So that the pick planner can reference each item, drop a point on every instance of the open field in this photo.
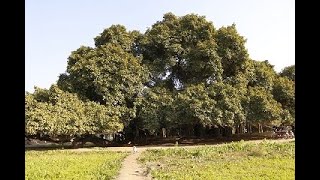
(257, 159)
(240, 160)
(65, 164)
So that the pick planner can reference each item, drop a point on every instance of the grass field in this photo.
(241, 160)
(63, 164)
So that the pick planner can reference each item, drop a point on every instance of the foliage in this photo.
(181, 50)
(61, 164)
(264, 75)
(289, 72)
(231, 49)
(181, 72)
(229, 104)
(106, 74)
(261, 107)
(156, 109)
(284, 93)
(56, 112)
(194, 105)
(117, 34)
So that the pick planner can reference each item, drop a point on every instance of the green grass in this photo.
(64, 164)
(241, 160)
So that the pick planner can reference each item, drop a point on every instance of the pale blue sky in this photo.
(54, 28)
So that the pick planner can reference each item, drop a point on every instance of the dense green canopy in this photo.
(181, 71)
(56, 112)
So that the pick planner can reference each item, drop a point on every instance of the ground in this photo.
(132, 170)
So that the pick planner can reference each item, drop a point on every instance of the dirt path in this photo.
(143, 148)
(131, 170)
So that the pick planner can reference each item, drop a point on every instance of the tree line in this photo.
(181, 77)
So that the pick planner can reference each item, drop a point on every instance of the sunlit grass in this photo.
(241, 160)
(63, 164)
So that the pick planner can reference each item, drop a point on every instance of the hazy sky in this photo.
(55, 28)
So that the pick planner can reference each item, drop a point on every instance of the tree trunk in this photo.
(136, 137)
(243, 128)
(260, 128)
(249, 128)
(234, 130)
(164, 133)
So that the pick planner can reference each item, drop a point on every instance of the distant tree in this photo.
(289, 72)
(284, 93)
(261, 108)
